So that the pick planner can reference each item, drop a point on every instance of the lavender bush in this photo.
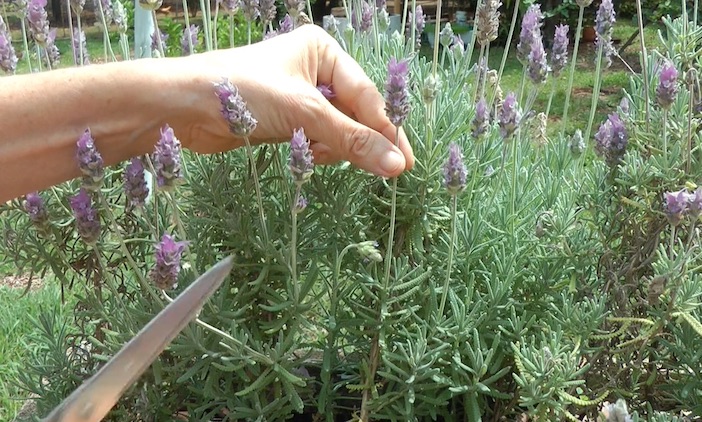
(528, 277)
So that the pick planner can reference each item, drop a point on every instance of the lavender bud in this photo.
(8, 58)
(455, 170)
(676, 205)
(155, 40)
(36, 209)
(300, 204)
(53, 55)
(531, 30)
(397, 104)
(294, 7)
(419, 22)
(77, 6)
(577, 144)
(79, 46)
(559, 52)
(537, 66)
(667, 88)
(488, 21)
(38, 21)
(446, 35)
(135, 184)
(164, 274)
(326, 91)
(611, 140)
(538, 131)
(167, 159)
(106, 10)
(250, 9)
(230, 7)
(300, 163)
(189, 38)
(430, 89)
(509, 116)
(383, 20)
(87, 219)
(90, 162)
(150, 4)
(369, 250)
(267, 10)
(234, 109)
(624, 106)
(616, 412)
(458, 47)
(481, 120)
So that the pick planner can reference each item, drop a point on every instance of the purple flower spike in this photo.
(611, 140)
(488, 21)
(509, 116)
(229, 6)
(79, 46)
(164, 274)
(250, 9)
(397, 105)
(676, 206)
(694, 203)
(326, 90)
(135, 184)
(87, 219)
(300, 204)
(90, 162)
(667, 85)
(286, 25)
(301, 164)
(531, 30)
(267, 11)
(106, 9)
(234, 109)
(537, 66)
(167, 159)
(604, 20)
(559, 52)
(38, 21)
(420, 21)
(189, 37)
(8, 58)
(77, 6)
(294, 7)
(455, 170)
(164, 38)
(36, 209)
(481, 121)
(366, 17)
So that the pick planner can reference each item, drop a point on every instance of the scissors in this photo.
(95, 397)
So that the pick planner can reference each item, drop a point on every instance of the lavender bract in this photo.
(488, 21)
(79, 48)
(90, 162)
(537, 66)
(189, 38)
(36, 210)
(135, 187)
(38, 21)
(250, 9)
(667, 88)
(676, 205)
(362, 20)
(481, 120)
(167, 160)
(611, 140)
(234, 109)
(87, 219)
(8, 57)
(397, 104)
(531, 30)
(301, 160)
(509, 116)
(230, 6)
(559, 51)
(164, 274)
(455, 173)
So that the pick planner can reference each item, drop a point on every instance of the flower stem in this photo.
(186, 16)
(70, 29)
(573, 62)
(181, 231)
(437, 32)
(206, 16)
(550, 96)
(257, 185)
(444, 294)
(665, 135)
(39, 59)
(691, 104)
(391, 229)
(595, 93)
(26, 44)
(80, 48)
(644, 60)
(158, 35)
(293, 245)
(231, 30)
(106, 35)
(248, 32)
(109, 280)
(512, 25)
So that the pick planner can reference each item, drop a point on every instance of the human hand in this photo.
(278, 78)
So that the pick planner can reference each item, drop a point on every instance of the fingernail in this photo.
(392, 162)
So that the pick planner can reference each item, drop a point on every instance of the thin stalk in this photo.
(513, 196)
(391, 230)
(522, 84)
(404, 17)
(215, 23)
(48, 58)
(414, 26)
(124, 45)
(696, 10)
(309, 10)
(231, 30)
(154, 197)
(595, 94)
(26, 45)
(644, 59)
(550, 96)
(478, 80)
(106, 36)
(471, 47)
(665, 135)
(181, 231)
(444, 293)
(437, 32)
(70, 29)
(206, 24)
(110, 284)
(186, 16)
(257, 185)
(248, 32)
(691, 104)
(158, 35)
(80, 31)
(39, 59)
(671, 246)
(574, 60)
(508, 45)
(293, 244)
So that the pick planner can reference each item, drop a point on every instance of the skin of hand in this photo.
(125, 104)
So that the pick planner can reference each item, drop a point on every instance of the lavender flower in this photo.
(667, 88)
(90, 162)
(53, 55)
(577, 144)
(365, 22)
(78, 45)
(8, 58)
(531, 30)
(300, 163)
(135, 184)
(446, 35)
(676, 205)
(559, 51)
(430, 88)
(106, 10)
(624, 106)
(189, 38)
(87, 219)
(694, 203)
(458, 47)
(537, 66)
(164, 274)
(397, 104)
(36, 209)
(419, 21)
(300, 204)
(38, 21)
(154, 40)
(326, 91)
(229, 6)
(455, 170)
(604, 20)
(120, 17)
(234, 109)
(611, 140)
(267, 11)
(286, 25)
(294, 7)
(167, 159)
(250, 9)
(77, 6)
(509, 116)
(481, 121)
(488, 21)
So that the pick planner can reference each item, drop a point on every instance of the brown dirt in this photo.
(20, 282)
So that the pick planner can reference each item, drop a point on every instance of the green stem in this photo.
(665, 135)
(391, 230)
(479, 78)
(573, 62)
(471, 45)
(671, 246)
(644, 61)
(248, 32)
(444, 294)
(293, 245)
(206, 16)
(181, 231)
(26, 45)
(80, 31)
(513, 196)
(215, 23)
(437, 32)
(39, 59)
(595, 94)
(106, 36)
(231, 30)
(688, 163)
(158, 35)
(550, 96)
(70, 29)
(186, 16)
(508, 45)
(111, 284)
(257, 185)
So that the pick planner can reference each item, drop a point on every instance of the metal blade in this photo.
(95, 397)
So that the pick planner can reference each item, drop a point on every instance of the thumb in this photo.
(340, 137)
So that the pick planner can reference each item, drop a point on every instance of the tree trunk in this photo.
(57, 11)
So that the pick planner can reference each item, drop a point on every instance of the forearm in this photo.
(123, 104)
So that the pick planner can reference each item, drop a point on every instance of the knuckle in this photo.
(359, 142)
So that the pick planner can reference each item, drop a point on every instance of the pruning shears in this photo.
(95, 397)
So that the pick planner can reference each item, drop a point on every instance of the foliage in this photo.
(568, 283)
